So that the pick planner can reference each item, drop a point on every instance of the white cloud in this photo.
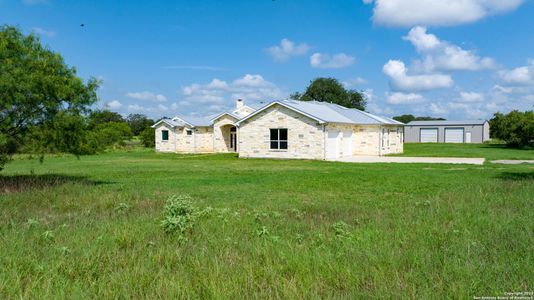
(400, 80)
(41, 31)
(519, 76)
(442, 55)
(404, 98)
(327, 61)
(354, 82)
(374, 106)
(218, 94)
(437, 109)
(471, 97)
(114, 104)
(406, 13)
(286, 50)
(148, 96)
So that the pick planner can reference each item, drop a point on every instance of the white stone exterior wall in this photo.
(203, 139)
(221, 133)
(305, 135)
(392, 140)
(165, 146)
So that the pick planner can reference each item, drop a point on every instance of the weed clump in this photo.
(179, 215)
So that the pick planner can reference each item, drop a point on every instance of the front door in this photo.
(233, 139)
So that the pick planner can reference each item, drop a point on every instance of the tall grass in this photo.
(269, 229)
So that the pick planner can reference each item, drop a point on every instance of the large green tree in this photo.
(331, 90)
(37, 88)
(97, 117)
(515, 128)
(138, 123)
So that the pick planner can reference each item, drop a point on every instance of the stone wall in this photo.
(221, 133)
(203, 139)
(392, 140)
(305, 135)
(165, 146)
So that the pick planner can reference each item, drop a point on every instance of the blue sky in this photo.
(459, 59)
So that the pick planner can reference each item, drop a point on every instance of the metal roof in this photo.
(194, 121)
(168, 122)
(323, 112)
(331, 113)
(446, 123)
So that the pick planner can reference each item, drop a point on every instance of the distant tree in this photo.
(97, 117)
(515, 128)
(148, 137)
(429, 119)
(404, 118)
(37, 88)
(409, 118)
(138, 123)
(330, 90)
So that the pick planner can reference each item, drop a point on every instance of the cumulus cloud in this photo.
(374, 105)
(519, 76)
(218, 94)
(471, 97)
(114, 104)
(400, 80)
(286, 50)
(444, 56)
(41, 31)
(147, 96)
(354, 82)
(404, 98)
(407, 13)
(327, 61)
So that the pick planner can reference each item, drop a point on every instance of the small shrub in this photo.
(122, 207)
(32, 222)
(341, 229)
(49, 236)
(179, 215)
(262, 232)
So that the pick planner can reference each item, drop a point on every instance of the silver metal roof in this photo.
(333, 113)
(446, 123)
(322, 111)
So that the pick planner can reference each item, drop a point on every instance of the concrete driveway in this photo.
(410, 160)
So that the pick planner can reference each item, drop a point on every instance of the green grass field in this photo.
(488, 151)
(90, 228)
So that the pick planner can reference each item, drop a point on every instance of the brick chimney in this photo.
(239, 103)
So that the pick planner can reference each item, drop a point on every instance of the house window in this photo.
(189, 132)
(164, 135)
(278, 139)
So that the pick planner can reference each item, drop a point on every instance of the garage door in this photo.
(454, 135)
(333, 144)
(429, 135)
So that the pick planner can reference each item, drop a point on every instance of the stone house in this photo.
(283, 129)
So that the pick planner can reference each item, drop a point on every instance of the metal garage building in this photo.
(446, 131)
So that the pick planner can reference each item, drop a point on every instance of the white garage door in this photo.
(429, 135)
(332, 144)
(454, 135)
